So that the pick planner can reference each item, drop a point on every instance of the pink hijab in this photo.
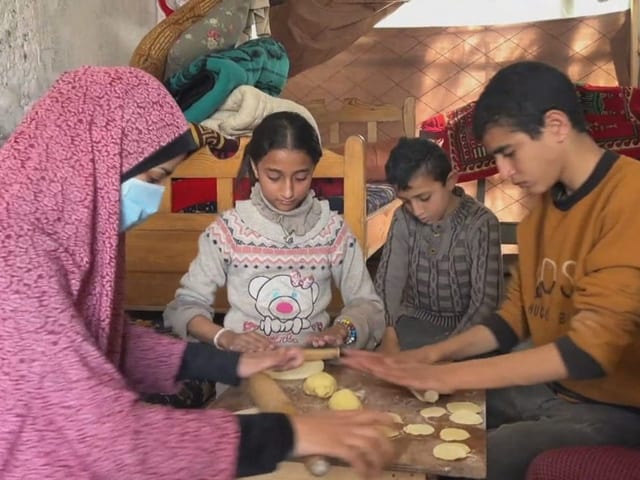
(69, 361)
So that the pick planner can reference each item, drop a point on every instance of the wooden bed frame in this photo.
(159, 251)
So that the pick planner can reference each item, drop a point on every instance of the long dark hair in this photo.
(280, 130)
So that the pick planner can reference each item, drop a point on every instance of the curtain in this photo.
(313, 31)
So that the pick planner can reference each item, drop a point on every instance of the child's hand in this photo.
(278, 359)
(244, 342)
(355, 437)
(414, 375)
(333, 336)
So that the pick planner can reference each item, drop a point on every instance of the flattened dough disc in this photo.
(454, 407)
(451, 451)
(454, 434)
(418, 429)
(303, 371)
(465, 417)
(432, 412)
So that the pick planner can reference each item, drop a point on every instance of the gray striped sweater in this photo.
(448, 273)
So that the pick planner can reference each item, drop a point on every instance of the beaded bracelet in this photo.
(352, 333)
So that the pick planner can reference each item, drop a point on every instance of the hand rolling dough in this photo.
(344, 399)
(320, 384)
(451, 451)
(303, 371)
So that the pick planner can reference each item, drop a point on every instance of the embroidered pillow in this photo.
(218, 30)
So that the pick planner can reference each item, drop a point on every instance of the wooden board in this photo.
(416, 456)
(297, 471)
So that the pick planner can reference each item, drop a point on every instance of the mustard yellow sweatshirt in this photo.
(578, 283)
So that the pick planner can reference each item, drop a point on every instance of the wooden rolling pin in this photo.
(328, 353)
(269, 397)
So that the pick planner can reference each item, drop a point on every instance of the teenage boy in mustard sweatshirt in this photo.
(575, 292)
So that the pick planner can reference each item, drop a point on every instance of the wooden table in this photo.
(415, 460)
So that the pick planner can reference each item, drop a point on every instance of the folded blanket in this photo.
(245, 108)
(204, 85)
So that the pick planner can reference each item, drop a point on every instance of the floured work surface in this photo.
(416, 451)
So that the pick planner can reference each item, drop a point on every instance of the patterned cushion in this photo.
(453, 132)
(219, 30)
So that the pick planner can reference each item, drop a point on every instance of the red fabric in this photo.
(582, 463)
(72, 367)
(166, 9)
(612, 113)
(188, 192)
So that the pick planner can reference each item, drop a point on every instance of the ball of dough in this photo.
(429, 396)
(344, 399)
(320, 385)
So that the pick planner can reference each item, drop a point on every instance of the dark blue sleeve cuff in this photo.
(580, 364)
(266, 439)
(506, 337)
(202, 361)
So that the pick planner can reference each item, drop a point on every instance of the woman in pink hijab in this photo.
(78, 171)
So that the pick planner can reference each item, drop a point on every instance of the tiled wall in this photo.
(447, 67)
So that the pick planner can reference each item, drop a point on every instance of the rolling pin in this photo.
(329, 353)
(269, 397)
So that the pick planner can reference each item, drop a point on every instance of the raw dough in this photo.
(394, 431)
(418, 429)
(451, 451)
(454, 407)
(454, 434)
(320, 384)
(432, 412)
(247, 411)
(303, 371)
(465, 417)
(430, 396)
(344, 399)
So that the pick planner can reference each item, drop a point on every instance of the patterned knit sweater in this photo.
(279, 283)
(448, 273)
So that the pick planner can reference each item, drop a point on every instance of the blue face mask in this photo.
(138, 201)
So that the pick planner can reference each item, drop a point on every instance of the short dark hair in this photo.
(280, 130)
(416, 155)
(519, 96)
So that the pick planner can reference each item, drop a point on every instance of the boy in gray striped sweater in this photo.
(441, 269)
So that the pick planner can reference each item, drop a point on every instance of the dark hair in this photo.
(280, 130)
(416, 155)
(519, 96)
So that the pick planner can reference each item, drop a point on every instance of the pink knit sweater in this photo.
(70, 366)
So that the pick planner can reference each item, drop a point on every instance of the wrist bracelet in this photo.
(216, 337)
(352, 333)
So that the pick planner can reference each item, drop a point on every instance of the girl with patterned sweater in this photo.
(278, 253)
(441, 270)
